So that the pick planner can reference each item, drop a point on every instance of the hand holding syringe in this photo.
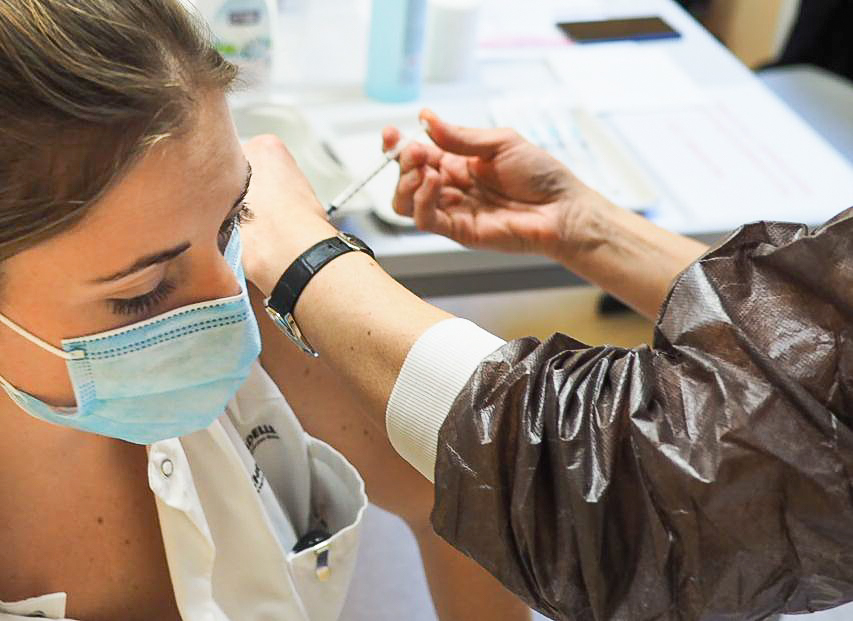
(391, 155)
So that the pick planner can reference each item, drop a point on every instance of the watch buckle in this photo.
(291, 329)
(347, 239)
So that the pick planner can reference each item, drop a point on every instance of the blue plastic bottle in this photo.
(395, 55)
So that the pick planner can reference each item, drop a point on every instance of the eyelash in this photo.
(144, 304)
(243, 215)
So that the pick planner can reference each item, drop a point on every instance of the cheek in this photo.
(47, 293)
(34, 370)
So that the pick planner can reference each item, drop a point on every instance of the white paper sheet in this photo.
(625, 76)
(742, 157)
(582, 143)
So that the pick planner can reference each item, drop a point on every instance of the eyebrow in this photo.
(172, 253)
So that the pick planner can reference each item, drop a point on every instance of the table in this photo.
(331, 97)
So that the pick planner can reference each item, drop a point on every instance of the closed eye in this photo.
(148, 302)
(143, 304)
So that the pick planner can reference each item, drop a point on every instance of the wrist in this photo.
(283, 248)
(626, 255)
(587, 220)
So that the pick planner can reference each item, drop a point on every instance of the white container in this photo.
(246, 33)
(451, 39)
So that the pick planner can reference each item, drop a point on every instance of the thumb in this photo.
(484, 143)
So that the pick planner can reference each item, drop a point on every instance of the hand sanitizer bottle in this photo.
(395, 56)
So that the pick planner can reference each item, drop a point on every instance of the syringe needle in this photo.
(356, 187)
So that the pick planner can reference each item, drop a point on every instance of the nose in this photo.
(217, 280)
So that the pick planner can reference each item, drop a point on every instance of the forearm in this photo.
(626, 254)
(361, 321)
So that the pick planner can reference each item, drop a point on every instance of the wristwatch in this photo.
(280, 304)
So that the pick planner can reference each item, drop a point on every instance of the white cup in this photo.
(451, 39)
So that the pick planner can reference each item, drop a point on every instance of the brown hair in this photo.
(86, 87)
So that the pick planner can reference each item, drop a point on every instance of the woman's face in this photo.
(153, 244)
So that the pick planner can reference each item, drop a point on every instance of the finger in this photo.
(485, 143)
(413, 156)
(390, 138)
(434, 155)
(450, 197)
(426, 213)
(407, 186)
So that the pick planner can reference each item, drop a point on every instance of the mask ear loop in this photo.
(10, 390)
(66, 355)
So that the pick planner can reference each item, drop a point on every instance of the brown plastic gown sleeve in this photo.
(708, 477)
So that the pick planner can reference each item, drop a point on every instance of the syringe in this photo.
(354, 188)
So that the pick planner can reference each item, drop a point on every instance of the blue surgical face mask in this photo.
(158, 379)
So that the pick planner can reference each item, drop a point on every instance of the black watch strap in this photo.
(292, 283)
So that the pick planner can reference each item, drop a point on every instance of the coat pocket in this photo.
(322, 573)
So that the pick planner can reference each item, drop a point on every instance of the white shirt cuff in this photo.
(436, 370)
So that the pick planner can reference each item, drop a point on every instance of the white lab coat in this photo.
(232, 500)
